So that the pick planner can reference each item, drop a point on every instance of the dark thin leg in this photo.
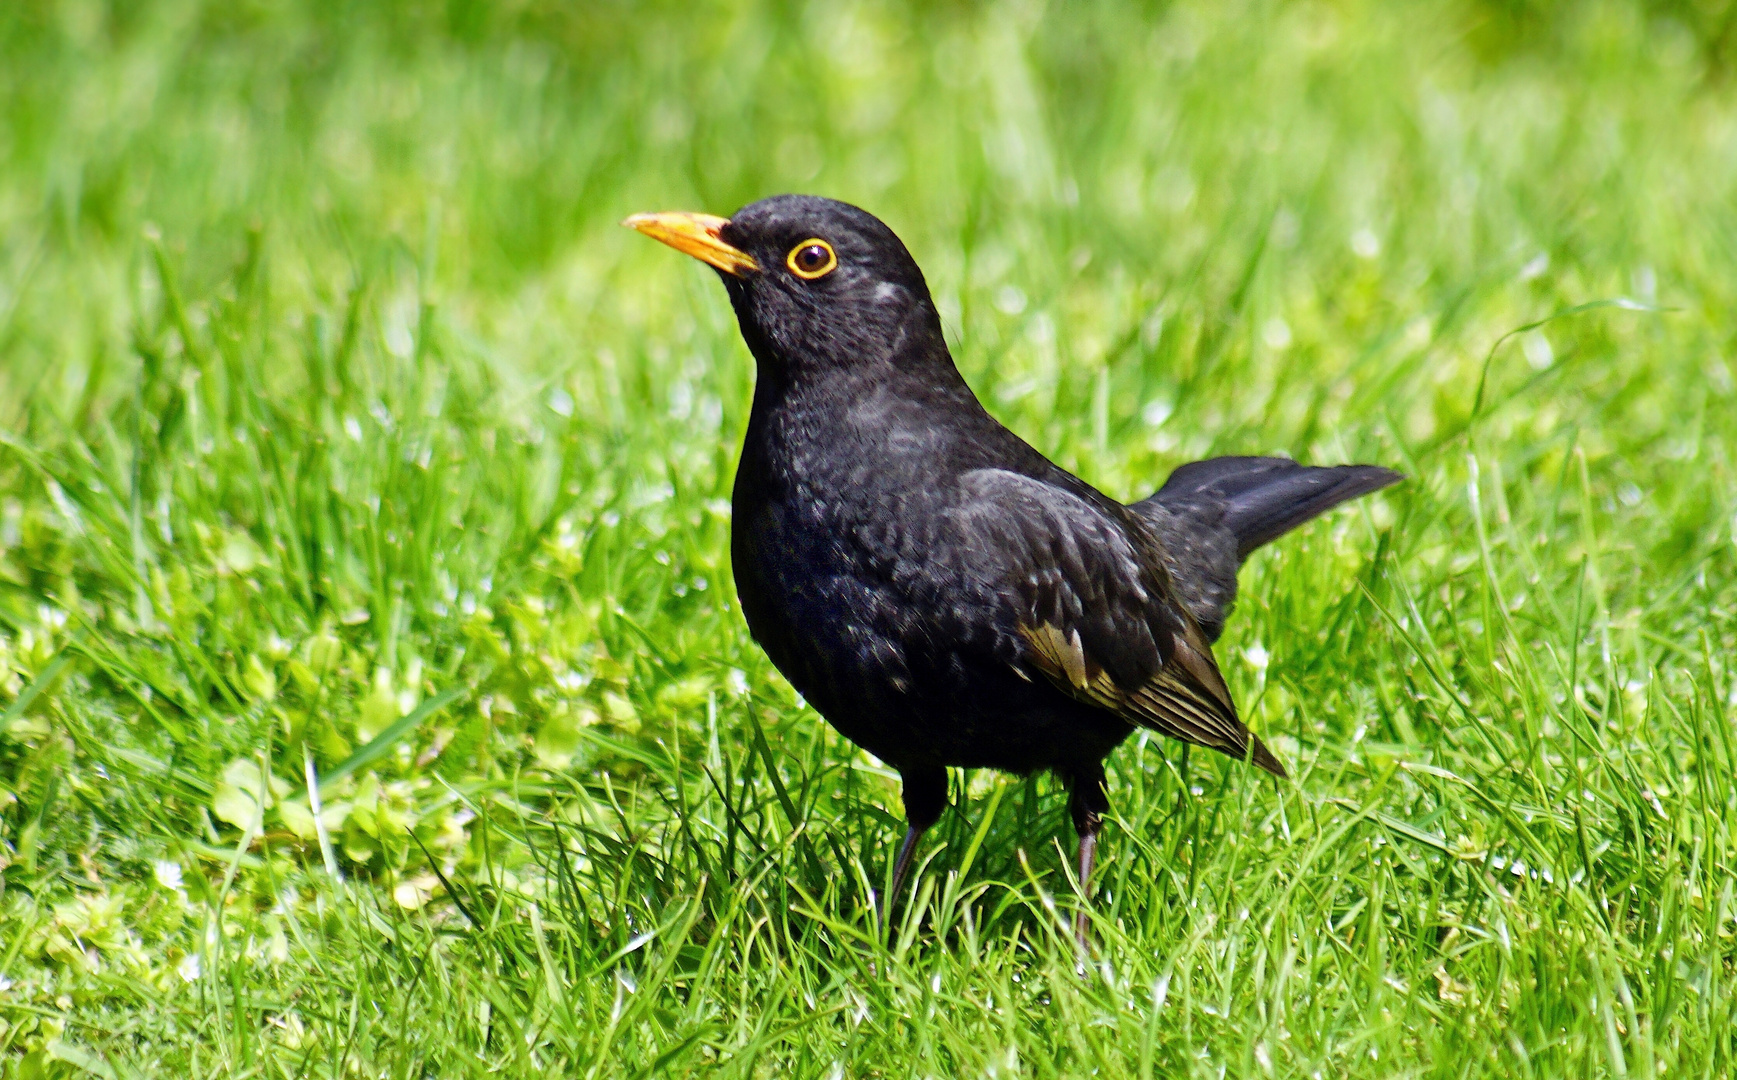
(903, 866)
(1087, 803)
(1088, 854)
(925, 797)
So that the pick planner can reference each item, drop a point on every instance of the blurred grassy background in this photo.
(342, 430)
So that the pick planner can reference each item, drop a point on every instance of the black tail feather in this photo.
(1262, 498)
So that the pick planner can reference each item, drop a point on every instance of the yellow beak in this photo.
(696, 235)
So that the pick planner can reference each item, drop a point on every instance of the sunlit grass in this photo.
(343, 435)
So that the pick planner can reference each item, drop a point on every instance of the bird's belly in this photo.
(881, 671)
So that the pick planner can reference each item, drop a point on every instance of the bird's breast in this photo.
(817, 606)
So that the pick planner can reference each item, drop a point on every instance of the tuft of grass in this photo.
(372, 697)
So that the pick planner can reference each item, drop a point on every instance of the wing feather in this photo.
(1096, 613)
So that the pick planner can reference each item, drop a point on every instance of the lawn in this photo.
(373, 698)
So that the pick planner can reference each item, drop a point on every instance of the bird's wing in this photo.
(1088, 595)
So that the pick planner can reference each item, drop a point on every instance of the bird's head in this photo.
(817, 284)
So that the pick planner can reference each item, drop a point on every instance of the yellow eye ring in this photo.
(811, 259)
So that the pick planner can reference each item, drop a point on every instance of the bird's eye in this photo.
(811, 259)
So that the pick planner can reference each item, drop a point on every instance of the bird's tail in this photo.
(1259, 499)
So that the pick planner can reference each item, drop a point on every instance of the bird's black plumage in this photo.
(941, 592)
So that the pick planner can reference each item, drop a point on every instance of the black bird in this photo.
(940, 591)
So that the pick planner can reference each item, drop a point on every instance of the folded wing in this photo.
(1086, 591)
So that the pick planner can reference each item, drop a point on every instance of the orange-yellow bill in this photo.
(696, 235)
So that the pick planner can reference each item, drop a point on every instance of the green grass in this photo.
(339, 424)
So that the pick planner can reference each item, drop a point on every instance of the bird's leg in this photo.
(1088, 826)
(925, 797)
(907, 850)
(1087, 803)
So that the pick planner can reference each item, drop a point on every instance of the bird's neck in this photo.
(811, 422)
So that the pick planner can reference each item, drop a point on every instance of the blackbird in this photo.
(936, 588)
